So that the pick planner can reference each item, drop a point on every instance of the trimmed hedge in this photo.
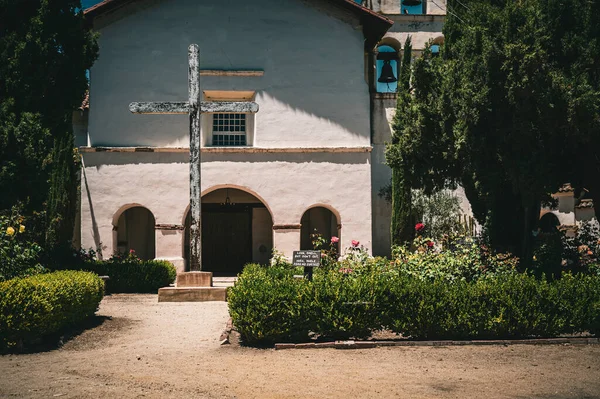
(513, 306)
(133, 275)
(32, 307)
(268, 305)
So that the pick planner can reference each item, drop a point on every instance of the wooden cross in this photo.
(194, 107)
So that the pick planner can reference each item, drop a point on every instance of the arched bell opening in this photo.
(412, 7)
(436, 45)
(237, 229)
(386, 69)
(135, 231)
(318, 221)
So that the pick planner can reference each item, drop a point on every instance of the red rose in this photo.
(430, 244)
(355, 243)
(419, 226)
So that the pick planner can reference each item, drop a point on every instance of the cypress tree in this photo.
(402, 228)
(45, 50)
(510, 110)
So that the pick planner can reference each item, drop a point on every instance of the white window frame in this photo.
(207, 119)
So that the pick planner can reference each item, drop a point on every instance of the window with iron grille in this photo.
(229, 130)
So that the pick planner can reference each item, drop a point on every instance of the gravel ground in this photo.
(140, 348)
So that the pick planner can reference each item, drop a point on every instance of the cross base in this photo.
(193, 287)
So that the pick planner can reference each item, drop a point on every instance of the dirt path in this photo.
(172, 350)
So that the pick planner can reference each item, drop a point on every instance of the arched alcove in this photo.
(135, 231)
(549, 222)
(318, 220)
(237, 228)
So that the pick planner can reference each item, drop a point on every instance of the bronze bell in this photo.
(387, 73)
(411, 3)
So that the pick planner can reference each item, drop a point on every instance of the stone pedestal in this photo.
(193, 287)
(194, 279)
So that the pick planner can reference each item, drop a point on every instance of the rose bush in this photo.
(20, 254)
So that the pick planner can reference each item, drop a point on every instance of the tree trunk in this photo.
(62, 198)
(402, 228)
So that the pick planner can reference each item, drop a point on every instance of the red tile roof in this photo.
(566, 188)
(85, 104)
(585, 203)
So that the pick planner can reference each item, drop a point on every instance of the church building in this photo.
(311, 160)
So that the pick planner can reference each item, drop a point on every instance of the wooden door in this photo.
(226, 239)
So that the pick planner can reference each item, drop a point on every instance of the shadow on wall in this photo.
(315, 70)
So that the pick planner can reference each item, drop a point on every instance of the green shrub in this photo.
(127, 273)
(268, 304)
(509, 306)
(32, 307)
(581, 253)
(346, 304)
(133, 275)
(548, 254)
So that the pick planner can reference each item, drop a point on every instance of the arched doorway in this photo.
(237, 228)
(135, 231)
(317, 220)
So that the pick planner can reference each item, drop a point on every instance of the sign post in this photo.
(307, 259)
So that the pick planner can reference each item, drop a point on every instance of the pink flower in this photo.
(132, 251)
(430, 244)
(419, 226)
(335, 240)
(355, 243)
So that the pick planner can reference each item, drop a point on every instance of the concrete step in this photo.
(224, 281)
(192, 294)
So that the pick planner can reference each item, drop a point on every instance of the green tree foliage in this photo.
(440, 212)
(505, 110)
(45, 50)
(402, 227)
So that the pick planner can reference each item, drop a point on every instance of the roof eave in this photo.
(374, 25)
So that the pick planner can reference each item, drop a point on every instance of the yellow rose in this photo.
(10, 231)
(21, 229)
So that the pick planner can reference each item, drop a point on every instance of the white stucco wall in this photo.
(383, 114)
(420, 28)
(287, 183)
(262, 236)
(313, 92)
